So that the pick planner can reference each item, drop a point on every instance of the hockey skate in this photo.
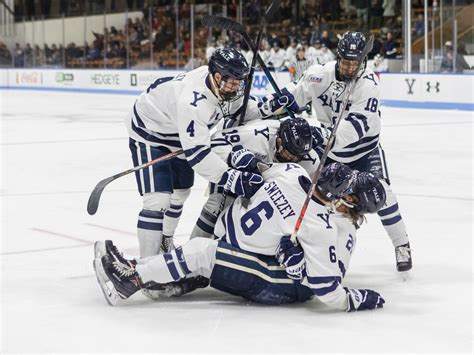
(166, 244)
(403, 257)
(115, 274)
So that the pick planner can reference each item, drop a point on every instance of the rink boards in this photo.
(409, 90)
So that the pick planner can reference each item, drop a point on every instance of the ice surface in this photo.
(57, 146)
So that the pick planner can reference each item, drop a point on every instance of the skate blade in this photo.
(110, 293)
(99, 249)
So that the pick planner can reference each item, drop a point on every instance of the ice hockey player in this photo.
(291, 140)
(178, 112)
(249, 228)
(357, 138)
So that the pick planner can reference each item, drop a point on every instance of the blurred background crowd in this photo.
(165, 34)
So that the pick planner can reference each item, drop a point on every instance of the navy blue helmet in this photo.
(370, 193)
(336, 180)
(230, 63)
(296, 136)
(351, 46)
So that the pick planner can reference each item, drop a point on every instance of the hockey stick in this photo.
(94, 198)
(332, 137)
(270, 11)
(234, 26)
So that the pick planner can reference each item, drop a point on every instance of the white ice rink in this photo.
(57, 146)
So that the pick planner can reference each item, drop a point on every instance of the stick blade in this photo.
(223, 23)
(94, 198)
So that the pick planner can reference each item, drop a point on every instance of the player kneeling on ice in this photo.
(249, 234)
(178, 112)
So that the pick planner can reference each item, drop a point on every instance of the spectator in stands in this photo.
(388, 12)
(198, 60)
(375, 14)
(389, 48)
(18, 56)
(28, 54)
(419, 27)
(447, 65)
(290, 52)
(298, 64)
(313, 53)
(377, 47)
(362, 8)
(327, 55)
(274, 40)
(94, 52)
(5, 55)
(325, 39)
(286, 10)
(277, 58)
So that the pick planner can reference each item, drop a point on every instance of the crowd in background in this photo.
(311, 30)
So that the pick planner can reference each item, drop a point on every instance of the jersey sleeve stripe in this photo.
(206, 228)
(389, 210)
(363, 151)
(182, 261)
(231, 228)
(171, 266)
(325, 290)
(152, 138)
(199, 157)
(322, 279)
(362, 141)
(390, 221)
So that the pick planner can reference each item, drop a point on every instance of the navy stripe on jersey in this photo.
(231, 228)
(142, 125)
(171, 266)
(206, 228)
(182, 261)
(199, 157)
(362, 141)
(388, 210)
(219, 142)
(363, 151)
(189, 152)
(316, 284)
(342, 268)
(390, 221)
(153, 138)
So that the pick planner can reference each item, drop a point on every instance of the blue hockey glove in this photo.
(286, 100)
(241, 183)
(292, 257)
(362, 299)
(243, 159)
(318, 138)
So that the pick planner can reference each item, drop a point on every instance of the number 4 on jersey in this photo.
(190, 129)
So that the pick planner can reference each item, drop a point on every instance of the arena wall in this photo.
(434, 91)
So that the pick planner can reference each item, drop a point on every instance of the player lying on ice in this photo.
(250, 232)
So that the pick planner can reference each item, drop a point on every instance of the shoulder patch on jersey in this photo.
(314, 79)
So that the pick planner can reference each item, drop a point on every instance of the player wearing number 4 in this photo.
(249, 234)
(357, 138)
(178, 112)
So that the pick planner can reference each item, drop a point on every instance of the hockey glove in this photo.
(243, 159)
(241, 183)
(274, 105)
(292, 257)
(362, 299)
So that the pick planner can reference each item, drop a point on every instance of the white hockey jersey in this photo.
(178, 112)
(358, 132)
(260, 138)
(258, 224)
